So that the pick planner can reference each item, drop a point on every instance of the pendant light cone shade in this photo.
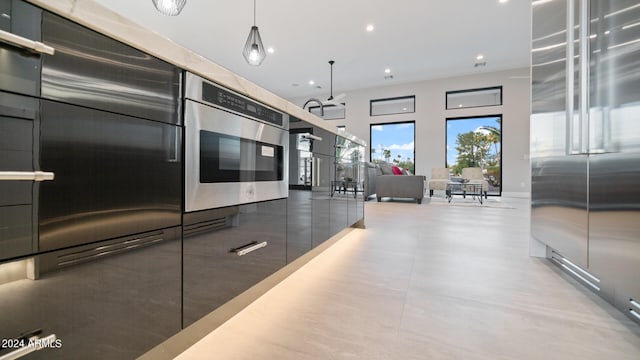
(254, 51)
(169, 7)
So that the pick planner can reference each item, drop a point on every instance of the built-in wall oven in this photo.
(236, 148)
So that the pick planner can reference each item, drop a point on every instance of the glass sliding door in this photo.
(476, 142)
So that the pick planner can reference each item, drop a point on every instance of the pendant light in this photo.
(254, 52)
(169, 7)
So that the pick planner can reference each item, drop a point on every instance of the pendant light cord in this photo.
(254, 12)
(331, 93)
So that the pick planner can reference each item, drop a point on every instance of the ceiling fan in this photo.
(334, 101)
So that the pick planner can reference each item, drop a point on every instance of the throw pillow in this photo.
(396, 170)
(386, 168)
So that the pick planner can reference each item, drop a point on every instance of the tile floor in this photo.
(430, 281)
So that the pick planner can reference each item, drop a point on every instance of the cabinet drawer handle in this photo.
(250, 247)
(38, 343)
(27, 175)
(24, 43)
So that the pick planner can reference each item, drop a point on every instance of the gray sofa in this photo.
(398, 186)
(370, 180)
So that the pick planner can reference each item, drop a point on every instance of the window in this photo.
(397, 105)
(476, 142)
(460, 99)
(331, 112)
(393, 143)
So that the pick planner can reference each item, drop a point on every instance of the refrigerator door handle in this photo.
(26, 175)
(573, 146)
(577, 119)
(584, 76)
(598, 139)
(24, 43)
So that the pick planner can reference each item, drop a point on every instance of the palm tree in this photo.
(387, 154)
(495, 135)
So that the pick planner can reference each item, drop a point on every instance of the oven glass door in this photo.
(226, 158)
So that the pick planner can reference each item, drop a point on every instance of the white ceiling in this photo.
(416, 39)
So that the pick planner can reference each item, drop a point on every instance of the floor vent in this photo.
(205, 226)
(575, 270)
(635, 309)
(111, 248)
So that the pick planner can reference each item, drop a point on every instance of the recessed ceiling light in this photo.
(387, 71)
(370, 28)
(404, 109)
(271, 50)
(311, 82)
(504, 1)
(479, 57)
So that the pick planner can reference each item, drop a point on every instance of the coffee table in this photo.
(469, 188)
(345, 186)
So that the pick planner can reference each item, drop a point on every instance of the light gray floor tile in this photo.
(430, 281)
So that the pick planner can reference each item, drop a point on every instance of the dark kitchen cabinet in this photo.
(16, 230)
(19, 74)
(95, 255)
(20, 68)
(321, 198)
(16, 147)
(349, 160)
(299, 230)
(93, 70)
(228, 250)
(111, 305)
(116, 175)
(332, 197)
(18, 128)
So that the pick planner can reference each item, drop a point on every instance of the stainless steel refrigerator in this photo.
(585, 142)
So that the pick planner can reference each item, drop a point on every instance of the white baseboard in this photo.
(515, 194)
(536, 248)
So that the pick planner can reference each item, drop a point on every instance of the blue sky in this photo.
(455, 127)
(399, 138)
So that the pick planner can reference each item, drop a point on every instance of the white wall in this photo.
(430, 118)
